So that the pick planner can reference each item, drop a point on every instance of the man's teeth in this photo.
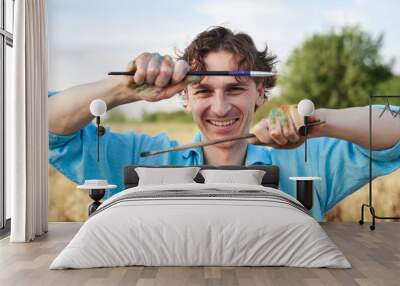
(222, 123)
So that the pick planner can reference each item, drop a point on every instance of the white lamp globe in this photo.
(305, 107)
(98, 107)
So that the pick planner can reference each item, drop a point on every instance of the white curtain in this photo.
(26, 123)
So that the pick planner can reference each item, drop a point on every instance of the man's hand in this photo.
(280, 129)
(157, 77)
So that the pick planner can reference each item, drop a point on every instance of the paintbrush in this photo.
(214, 73)
(195, 145)
(218, 141)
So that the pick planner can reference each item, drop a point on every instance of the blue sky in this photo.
(88, 38)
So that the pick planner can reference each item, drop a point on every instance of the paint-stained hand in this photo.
(157, 77)
(280, 129)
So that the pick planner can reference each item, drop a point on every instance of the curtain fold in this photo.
(26, 124)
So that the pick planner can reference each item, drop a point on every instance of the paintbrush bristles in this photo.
(144, 154)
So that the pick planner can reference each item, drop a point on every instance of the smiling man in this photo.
(221, 107)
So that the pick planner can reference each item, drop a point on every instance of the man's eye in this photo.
(202, 91)
(236, 89)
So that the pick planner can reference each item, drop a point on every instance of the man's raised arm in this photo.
(351, 124)
(156, 78)
(69, 110)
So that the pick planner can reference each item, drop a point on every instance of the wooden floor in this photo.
(374, 255)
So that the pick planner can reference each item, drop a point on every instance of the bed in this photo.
(201, 224)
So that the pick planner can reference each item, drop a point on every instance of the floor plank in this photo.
(374, 255)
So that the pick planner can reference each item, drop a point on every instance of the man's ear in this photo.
(185, 100)
(261, 94)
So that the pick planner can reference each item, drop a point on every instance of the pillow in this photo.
(249, 177)
(163, 176)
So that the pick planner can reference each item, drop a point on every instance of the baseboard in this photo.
(5, 231)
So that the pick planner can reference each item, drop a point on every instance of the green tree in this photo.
(390, 87)
(335, 69)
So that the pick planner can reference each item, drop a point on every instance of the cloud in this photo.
(376, 17)
(271, 22)
(340, 17)
(284, 25)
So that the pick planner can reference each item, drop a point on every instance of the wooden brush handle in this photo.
(196, 145)
(216, 141)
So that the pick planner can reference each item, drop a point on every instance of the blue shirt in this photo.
(342, 165)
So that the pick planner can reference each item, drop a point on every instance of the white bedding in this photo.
(225, 225)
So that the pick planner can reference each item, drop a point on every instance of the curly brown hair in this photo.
(240, 44)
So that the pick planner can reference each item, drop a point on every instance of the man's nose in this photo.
(220, 105)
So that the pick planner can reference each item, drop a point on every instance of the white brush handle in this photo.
(261, 74)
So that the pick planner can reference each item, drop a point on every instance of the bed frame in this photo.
(270, 179)
(131, 179)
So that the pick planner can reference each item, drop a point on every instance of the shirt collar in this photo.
(255, 155)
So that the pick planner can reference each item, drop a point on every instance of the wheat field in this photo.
(66, 203)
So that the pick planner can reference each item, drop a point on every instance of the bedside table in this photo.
(304, 190)
(97, 189)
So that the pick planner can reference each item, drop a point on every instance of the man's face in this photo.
(221, 105)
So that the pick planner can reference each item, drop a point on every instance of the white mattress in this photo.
(182, 230)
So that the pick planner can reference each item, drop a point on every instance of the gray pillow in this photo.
(163, 176)
(248, 177)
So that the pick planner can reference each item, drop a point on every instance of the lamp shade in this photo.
(98, 107)
(305, 107)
